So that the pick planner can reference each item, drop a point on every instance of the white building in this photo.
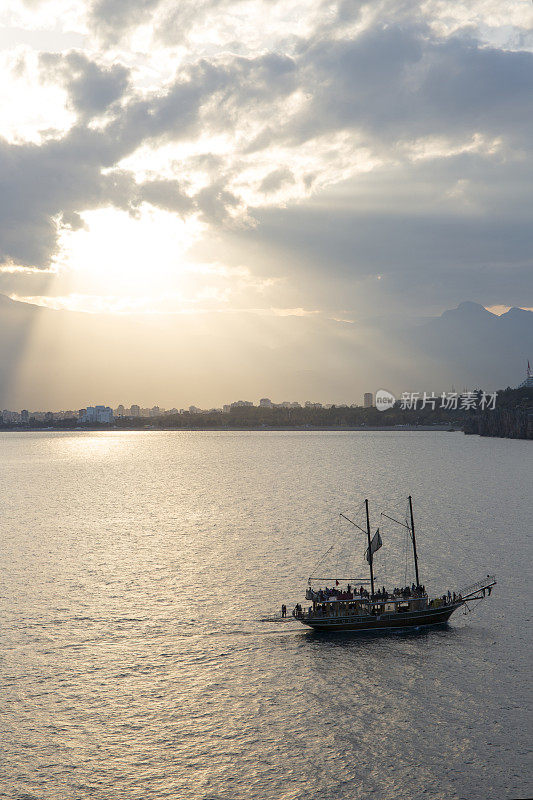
(265, 402)
(98, 414)
(368, 400)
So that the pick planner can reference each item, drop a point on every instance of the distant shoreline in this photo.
(257, 428)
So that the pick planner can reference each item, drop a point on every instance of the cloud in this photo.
(398, 82)
(111, 19)
(400, 139)
(92, 88)
(275, 180)
(167, 195)
(47, 185)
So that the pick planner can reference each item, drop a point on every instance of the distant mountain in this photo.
(476, 347)
(49, 357)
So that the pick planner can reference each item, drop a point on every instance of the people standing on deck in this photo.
(283, 610)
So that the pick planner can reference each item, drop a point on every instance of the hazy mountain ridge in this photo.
(48, 356)
(482, 347)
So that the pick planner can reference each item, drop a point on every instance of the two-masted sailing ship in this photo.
(349, 606)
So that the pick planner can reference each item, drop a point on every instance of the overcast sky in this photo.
(348, 161)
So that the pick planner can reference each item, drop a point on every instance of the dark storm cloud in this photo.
(91, 88)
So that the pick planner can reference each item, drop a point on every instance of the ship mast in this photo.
(370, 559)
(413, 540)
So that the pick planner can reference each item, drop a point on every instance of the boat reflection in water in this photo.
(347, 608)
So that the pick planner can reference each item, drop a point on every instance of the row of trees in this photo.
(337, 416)
(511, 419)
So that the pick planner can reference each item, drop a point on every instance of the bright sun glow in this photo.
(117, 253)
(121, 264)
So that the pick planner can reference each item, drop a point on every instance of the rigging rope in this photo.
(469, 610)
(344, 551)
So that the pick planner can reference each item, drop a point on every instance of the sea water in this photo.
(135, 570)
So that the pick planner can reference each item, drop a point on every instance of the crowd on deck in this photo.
(335, 593)
(352, 593)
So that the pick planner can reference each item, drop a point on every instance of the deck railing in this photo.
(490, 580)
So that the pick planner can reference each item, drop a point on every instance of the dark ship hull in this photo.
(381, 622)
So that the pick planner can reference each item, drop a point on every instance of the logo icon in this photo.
(384, 400)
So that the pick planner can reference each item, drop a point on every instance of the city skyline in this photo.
(135, 410)
(411, 400)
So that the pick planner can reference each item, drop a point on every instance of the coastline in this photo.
(247, 428)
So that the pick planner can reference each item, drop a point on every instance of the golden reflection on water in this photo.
(136, 568)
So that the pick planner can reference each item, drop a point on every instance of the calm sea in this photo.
(136, 568)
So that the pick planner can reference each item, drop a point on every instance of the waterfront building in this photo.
(368, 400)
(98, 414)
(10, 417)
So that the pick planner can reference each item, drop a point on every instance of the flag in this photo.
(375, 544)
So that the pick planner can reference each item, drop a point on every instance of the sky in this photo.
(259, 172)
